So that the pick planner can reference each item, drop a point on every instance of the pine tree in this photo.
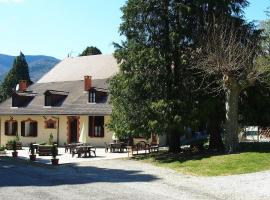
(19, 71)
(90, 51)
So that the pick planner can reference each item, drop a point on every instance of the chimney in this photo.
(87, 83)
(22, 85)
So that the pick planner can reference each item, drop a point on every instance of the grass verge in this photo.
(208, 164)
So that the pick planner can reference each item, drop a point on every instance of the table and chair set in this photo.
(81, 149)
(140, 147)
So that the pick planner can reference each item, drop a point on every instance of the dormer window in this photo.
(22, 99)
(92, 97)
(97, 95)
(54, 98)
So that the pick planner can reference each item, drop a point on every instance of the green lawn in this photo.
(211, 165)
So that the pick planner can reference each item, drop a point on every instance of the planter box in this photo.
(45, 150)
(3, 152)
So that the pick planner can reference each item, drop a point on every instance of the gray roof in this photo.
(76, 102)
(73, 69)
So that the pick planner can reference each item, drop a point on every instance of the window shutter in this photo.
(14, 128)
(6, 128)
(22, 128)
(34, 128)
(102, 131)
(91, 126)
(102, 127)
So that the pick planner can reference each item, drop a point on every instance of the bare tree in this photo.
(229, 52)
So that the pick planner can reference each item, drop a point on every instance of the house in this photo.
(71, 102)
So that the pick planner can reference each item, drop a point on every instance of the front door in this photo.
(73, 130)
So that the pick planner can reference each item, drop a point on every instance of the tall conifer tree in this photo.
(19, 71)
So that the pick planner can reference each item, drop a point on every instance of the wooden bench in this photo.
(140, 146)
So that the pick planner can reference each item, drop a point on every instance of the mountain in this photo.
(38, 65)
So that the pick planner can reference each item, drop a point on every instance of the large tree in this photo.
(90, 51)
(229, 51)
(151, 93)
(19, 71)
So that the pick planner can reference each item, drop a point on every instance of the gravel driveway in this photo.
(122, 179)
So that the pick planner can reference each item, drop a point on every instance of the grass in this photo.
(209, 164)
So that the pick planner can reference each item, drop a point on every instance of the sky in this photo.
(61, 27)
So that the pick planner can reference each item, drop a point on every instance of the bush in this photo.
(2, 148)
(51, 139)
(32, 149)
(54, 151)
(9, 144)
(14, 145)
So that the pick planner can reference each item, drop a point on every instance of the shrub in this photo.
(14, 145)
(51, 139)
(54, 151)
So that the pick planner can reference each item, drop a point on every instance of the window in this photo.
(92, 97)
(50, 124)
(11, 127)
(29, 128)
(97, 96)
(22, 99)
(96, 126)
(55, 98)
(48, 100)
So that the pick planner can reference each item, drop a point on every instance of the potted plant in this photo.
(2, 150)
(51, 139)
(18, 143)
(9, 144)
(14, 147)
(32, 151)
(54, 160)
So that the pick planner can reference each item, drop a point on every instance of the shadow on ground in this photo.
(19, 173)
(187, 155)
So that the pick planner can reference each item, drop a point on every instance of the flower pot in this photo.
(15, 154)
(33, 157)
(55, 161)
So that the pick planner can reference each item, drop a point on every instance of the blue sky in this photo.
(59, 27)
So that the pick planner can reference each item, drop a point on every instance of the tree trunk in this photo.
(174, 141)
(231, 123)
(215, 141)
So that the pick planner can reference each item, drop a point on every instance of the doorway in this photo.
(73, 129)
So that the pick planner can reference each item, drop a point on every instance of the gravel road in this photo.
(122, 179)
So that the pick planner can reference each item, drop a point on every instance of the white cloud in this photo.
(11, 1)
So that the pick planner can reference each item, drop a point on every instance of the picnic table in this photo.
(84, 150)
(71, 146)
(118, 147)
